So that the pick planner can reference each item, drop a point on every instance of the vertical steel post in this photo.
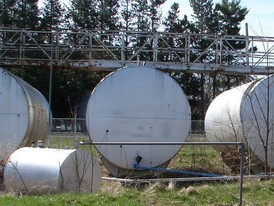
(217, 42)
(252, 51)
(22, 46)
(90, 45)
(242, 148)
(57, 48)
(188, 49)
(50, 85)
(123, 56)
(246, 45)
(155, 47)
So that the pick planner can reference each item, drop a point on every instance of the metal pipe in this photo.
(175, 171)
(160, 143)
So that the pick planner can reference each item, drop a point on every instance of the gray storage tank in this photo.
(137, 104)
(245, 113)
(24, 114)
(44, 170)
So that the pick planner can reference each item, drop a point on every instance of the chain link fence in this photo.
(78, 125)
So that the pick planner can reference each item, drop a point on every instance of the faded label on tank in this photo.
(140, 135)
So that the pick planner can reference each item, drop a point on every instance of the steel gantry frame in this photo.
(109, 50)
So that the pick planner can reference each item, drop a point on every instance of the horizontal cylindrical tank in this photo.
(24, 114)
(138, 104)
(245, 113)
(44, 170)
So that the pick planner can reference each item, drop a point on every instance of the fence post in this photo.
(242, 148)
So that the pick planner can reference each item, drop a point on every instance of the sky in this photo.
(259, 18)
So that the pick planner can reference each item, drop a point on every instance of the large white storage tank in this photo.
(24, 114)
(137, 104)
(245, 113)
(39, 170)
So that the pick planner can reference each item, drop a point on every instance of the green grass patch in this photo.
(255, 193)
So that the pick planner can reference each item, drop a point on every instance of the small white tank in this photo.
(42, 170)
(244, 113)
(138, 104)
(24, 114)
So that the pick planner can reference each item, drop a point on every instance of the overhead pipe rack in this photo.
(108, 50)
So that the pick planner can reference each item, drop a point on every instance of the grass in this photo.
(200, 158)
(113, 193)
(194, 158)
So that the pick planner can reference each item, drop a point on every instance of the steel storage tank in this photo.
(24, 114)
(137, 104)
(244, 113)
(44, 170)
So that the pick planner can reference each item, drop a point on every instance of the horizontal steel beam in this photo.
(112, 65)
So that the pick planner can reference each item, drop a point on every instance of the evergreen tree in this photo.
(69, 88)
(141, 24)
(155, 13)
(172, 22)
(140, 15)
(6, 18)
(146, 18)
(108, 14)
(190, 83)
(52, 15)
(230, 15)
(147, 14)
(126, 24)
(82, 14)
(6, 13)
(126, 21)
(205, 16)
(27, 14)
